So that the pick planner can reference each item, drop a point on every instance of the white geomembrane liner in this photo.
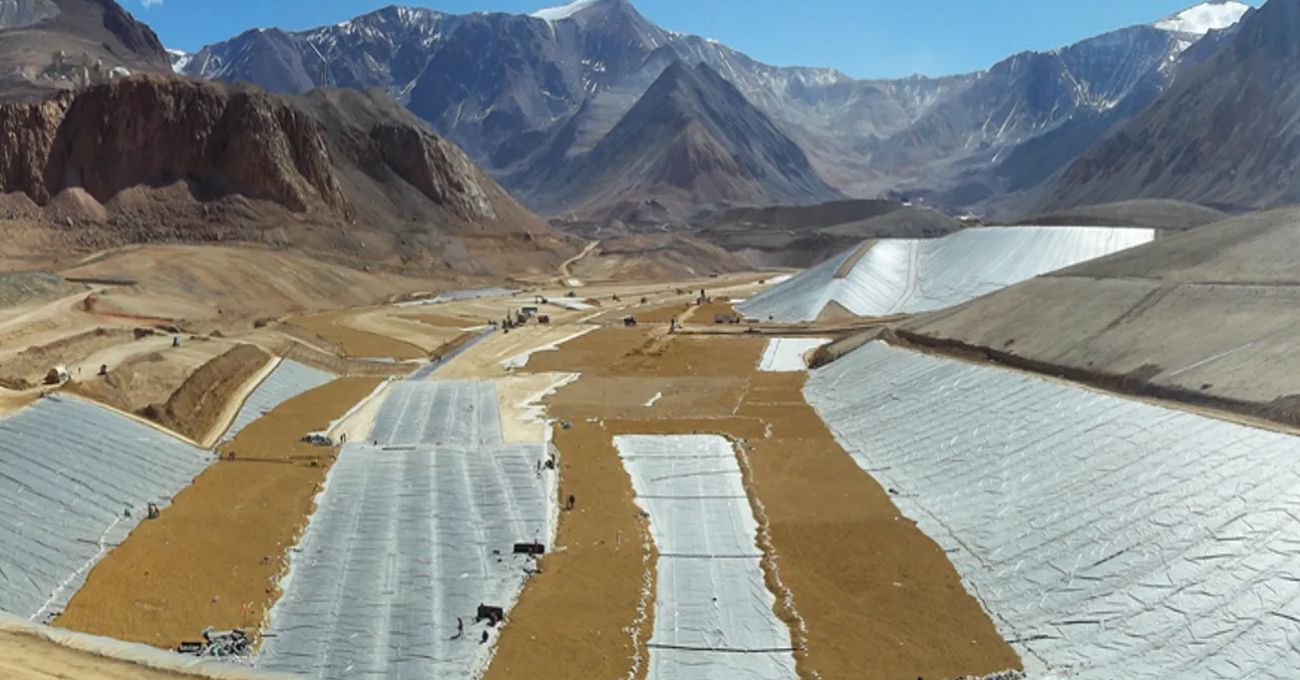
(410, 534)
(1108, 538)
(75, 479)
(287, 381)
(786, 355)
(713, 613)
(918, 275)
(458, 296)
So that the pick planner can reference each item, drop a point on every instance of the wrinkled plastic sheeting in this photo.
(786, 355)
(1108, 538)
(75, 479)
(408, 536)
(713, 615)
(287, 381)
(918, 275)
(439, 413)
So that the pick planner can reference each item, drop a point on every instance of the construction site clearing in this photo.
(631, 480)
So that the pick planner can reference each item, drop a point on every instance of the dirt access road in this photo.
(566, 268)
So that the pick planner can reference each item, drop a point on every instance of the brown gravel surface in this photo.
(443, 320)
(333, 327)
(574, 619)
(26, 657)
(660, 313)
(873, 596)
(875, 592)
(215, 556)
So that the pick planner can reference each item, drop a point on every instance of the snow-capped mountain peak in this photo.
(179, 58)
(1205, 17)
(565, 11)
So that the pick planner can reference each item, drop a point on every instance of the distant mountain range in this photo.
(538, 99)
(1226, 134)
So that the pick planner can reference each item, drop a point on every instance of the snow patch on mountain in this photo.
(1205, 17)
(179, 58)
(565, 11)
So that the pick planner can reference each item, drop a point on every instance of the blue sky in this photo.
(863, 38)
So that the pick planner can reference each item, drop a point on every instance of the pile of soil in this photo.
(195, 407)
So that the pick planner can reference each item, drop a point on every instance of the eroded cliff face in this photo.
(155, 132)
(435, 167)
(154, 157)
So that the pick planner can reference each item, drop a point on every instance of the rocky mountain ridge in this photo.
(503, 86)
(1226, 134)
(155, 158)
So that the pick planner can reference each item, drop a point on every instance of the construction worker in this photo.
(460, 628)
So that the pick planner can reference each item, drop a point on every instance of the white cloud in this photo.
(150, 3)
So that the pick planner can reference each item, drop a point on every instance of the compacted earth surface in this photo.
(859, 587)
(867, 590)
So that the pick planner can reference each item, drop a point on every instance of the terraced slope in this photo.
(1107, 537)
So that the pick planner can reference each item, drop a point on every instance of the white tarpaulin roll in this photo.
(1108, 538)
(713, 613)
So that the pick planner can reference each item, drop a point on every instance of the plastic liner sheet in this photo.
(287, 381)
(75, 479)
(786, 355)
(572, 304)
(713, 615)
(918, 275)
(459, 295)
(408, 535)
(439, 413)
(1108, 538)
